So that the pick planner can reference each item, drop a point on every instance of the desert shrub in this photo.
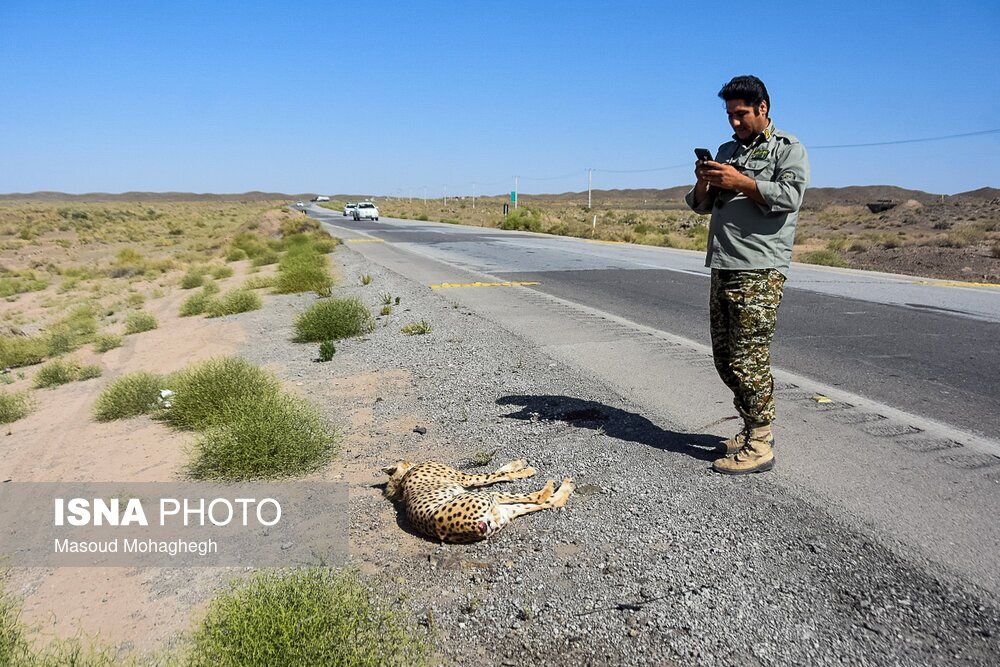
(236, 301)
(259, 282)
(303, 269)
(298, 224)
(995, 250)
(12, 283)
(195, 277)
(18, 351)
(236, 255)
(222, 272)
(964, 236)
(135, 300)
(105, 342)
(198, 303)
(523, 219)
(266, 256)
(323, 243)
(13, 406)
(386, 310)
(74, 330)
(139, 322)
(18, 651)
(206, 394)
(326, 350)
(128, 262)
(251, 245)
(269, 436)
(129, 396)
(303, 617)
(417, 328)
(836, 243)
(825, 258)
(333, 319)
(62, 371)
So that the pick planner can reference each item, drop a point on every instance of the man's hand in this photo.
(728, 177)
(724, 176)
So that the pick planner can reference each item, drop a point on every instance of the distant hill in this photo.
(981, 193)
(816, 198)
(149, 196)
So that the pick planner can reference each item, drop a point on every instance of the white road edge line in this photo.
(971, 440)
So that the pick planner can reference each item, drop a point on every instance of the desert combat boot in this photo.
(756, 455)
(735, 443)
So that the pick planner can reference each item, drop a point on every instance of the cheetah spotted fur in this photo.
(439, 504)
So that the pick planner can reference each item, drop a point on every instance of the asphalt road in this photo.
(926, 347)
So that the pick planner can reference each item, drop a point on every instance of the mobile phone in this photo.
(703, 153)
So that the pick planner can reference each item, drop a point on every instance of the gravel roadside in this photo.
(655, 560)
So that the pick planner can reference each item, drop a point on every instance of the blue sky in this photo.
(386, 98)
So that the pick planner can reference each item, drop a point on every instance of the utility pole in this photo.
(515, 192)
(590, 185)
(473, 196)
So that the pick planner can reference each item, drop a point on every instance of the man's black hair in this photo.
(748, 88)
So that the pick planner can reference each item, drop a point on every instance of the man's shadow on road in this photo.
(615, 422)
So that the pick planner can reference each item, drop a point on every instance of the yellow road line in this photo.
(607, 242)
(511, 283)
(953, 283)
(364, 241)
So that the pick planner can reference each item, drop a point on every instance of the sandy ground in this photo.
(60, 441)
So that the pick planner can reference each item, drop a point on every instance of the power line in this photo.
(641, 171)
(554, 178)
(681, 165)
(909, 141)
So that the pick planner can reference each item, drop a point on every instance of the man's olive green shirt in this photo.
(742, 233)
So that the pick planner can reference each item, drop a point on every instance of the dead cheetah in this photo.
(439, 504)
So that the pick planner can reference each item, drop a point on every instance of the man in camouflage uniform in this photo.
(753, 189)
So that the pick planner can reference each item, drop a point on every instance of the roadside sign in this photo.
(513, 196)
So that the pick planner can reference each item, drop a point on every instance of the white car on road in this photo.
(349, 209)
(366, 209)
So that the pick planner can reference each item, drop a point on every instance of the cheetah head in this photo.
(393, 488)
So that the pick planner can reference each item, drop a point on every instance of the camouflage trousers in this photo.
(744, 310)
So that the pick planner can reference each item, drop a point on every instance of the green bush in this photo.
(333, 319)
(303, 269)
(303, 617)
(825, 258)
(198, 303)
(14, 406)
(195, 277)
(326, 350)
(208, 392)
(237, 301)
(523, 219)
(265, 257)
(129, 396)
(60, 371)
(139, 322)
(105, 342)
(417, 328)
(259, 282)
(270, 436)
(16, 649)
(12, 283)
(18, 351)
(71, 332)
(236, 255)
(222, 272)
